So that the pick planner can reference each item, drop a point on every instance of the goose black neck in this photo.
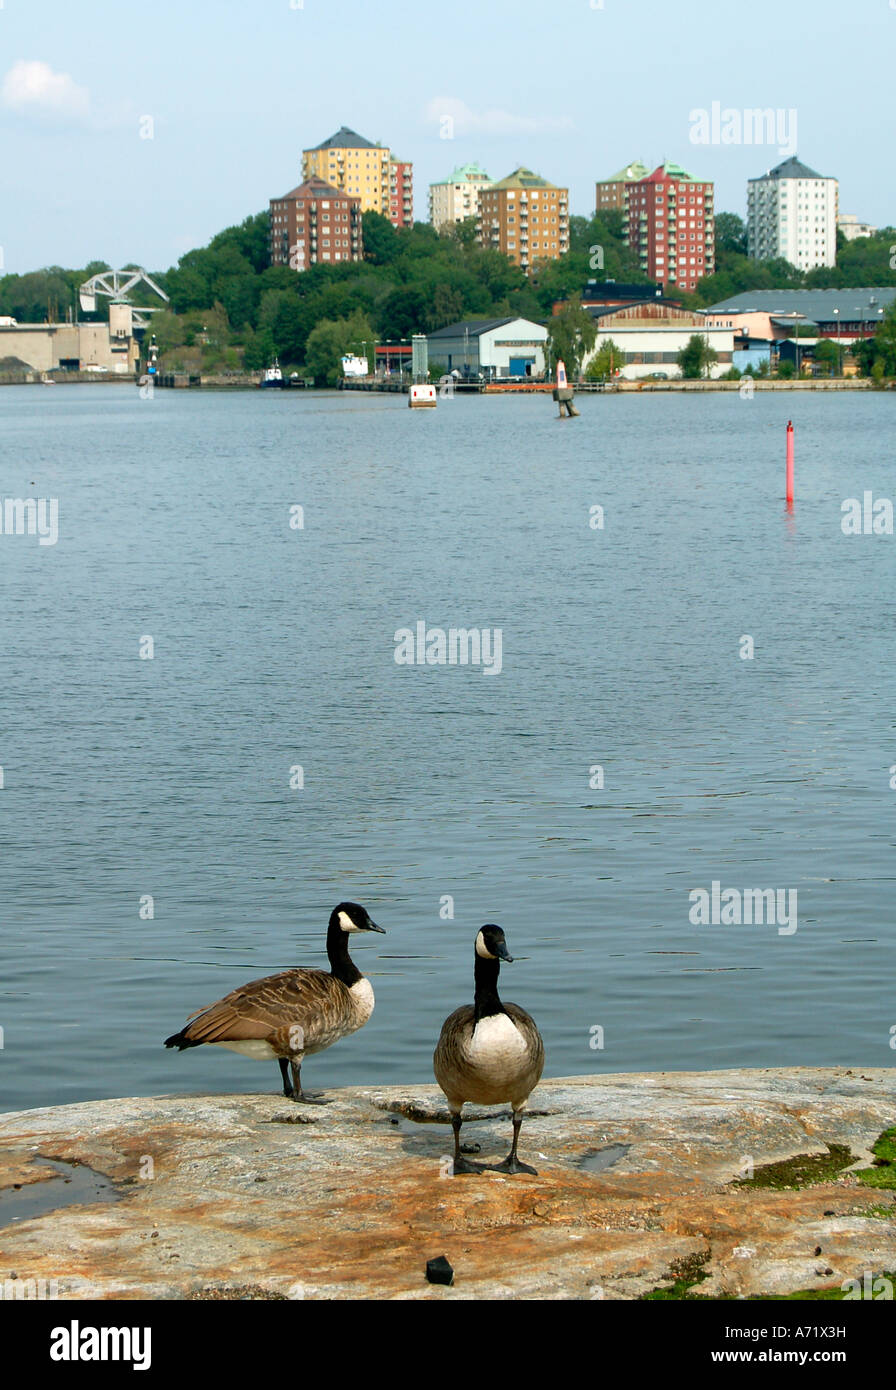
(486, 1001)
(341, 963)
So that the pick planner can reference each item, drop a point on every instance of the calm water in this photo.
(274, 647)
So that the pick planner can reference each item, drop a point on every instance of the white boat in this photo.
(273, 375)
(355, 366)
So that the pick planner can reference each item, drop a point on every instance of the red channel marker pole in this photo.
(790, 463)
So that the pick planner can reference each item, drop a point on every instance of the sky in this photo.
(133, 133)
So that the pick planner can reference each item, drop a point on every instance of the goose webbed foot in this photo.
(511, 1164)
(463, 1165)
(307, 1097)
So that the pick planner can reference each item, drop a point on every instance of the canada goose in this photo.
(295, 1013)
(489, 1052)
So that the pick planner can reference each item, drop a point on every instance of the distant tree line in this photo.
(230, 309)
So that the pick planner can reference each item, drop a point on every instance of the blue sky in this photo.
(235, 89)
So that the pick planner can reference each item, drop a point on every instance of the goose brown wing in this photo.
(448, 1059)
(267, 1006)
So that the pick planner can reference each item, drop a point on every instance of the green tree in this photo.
(169, 330)
(251, 240)
(696, 357)
(402, 312)
(884, 342)
(731, 235)
(446, 306)
(571, 336)
(330, 341)
(605, 362)
(827, 356)
(258, 350)
(381, 241)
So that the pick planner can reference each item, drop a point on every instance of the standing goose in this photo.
(489, 1053)
(295, 1013)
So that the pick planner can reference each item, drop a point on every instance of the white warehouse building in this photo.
(492, 348)
(650, 335)
(792, 213)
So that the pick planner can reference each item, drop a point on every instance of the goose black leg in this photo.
(461, 1164)
(284, 1072)
(511, 1163)
(297, 1094)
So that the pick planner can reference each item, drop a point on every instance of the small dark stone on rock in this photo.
(818, 1250)
(831, 1212)
(439, 1271)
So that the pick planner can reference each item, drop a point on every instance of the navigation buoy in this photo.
(421, 394)
(789, 488)
(563, 392)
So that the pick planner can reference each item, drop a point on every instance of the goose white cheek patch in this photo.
(482, 950)
(346, 922)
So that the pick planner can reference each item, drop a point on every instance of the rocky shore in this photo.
(645, 1182)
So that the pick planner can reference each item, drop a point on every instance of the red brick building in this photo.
(401, 193)
(669, 220)
(315, 224)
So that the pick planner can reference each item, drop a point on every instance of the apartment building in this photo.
(401, 193)
(525, 217)
(369, 172)
(792, 213)
(670, 221)
(315, 224)
(456, 198)
(610, 193)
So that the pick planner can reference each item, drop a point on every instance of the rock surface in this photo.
(247, 1196)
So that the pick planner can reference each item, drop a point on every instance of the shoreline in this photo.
(214, 382)
(751, 1180)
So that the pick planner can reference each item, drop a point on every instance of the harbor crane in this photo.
(116, 285)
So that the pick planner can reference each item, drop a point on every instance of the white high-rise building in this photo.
(456, 198)
(792, 213)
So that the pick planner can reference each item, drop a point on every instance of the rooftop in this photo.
(314, 188)
(669, 170)
(345, 139)
(465, 173)
(474, 328)
(817, 306)
(792, 168)
(635, 170)
(523, 178)
(598, 290)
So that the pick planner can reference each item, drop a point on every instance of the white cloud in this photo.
(32, 88)
(466, 121)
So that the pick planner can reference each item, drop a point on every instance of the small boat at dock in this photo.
(273, 376)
